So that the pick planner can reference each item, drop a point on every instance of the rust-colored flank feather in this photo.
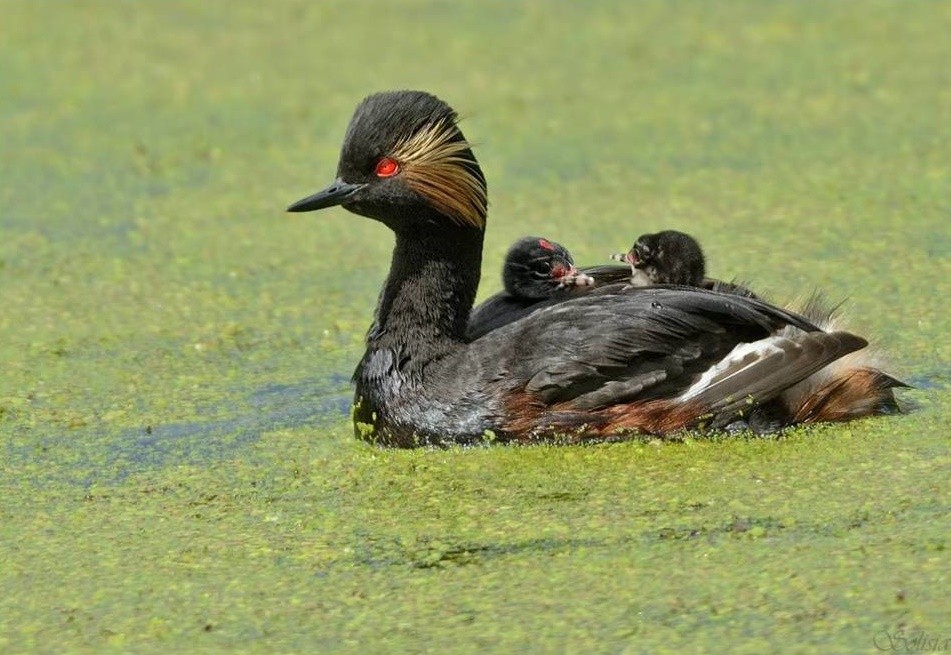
(437, 164)
(852, 394)
(852, 387)
(564, 422)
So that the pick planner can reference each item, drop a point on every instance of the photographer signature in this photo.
(919, 642)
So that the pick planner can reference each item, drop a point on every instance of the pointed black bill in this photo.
(337, 193)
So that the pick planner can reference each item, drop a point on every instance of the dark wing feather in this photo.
(497, 311)
(503, 308)
(733, 287)
(761, 371)
(638, 344)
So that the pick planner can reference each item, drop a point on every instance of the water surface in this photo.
(178, 469)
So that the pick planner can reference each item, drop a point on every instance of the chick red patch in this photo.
(546, 244)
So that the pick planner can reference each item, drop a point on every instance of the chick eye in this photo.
(386, 167)
(558, 271)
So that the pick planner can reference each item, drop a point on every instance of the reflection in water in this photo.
(932, 381)
(96, 455)
(273, 407)
(270, 408)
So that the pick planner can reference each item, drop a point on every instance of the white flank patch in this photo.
(740, 358)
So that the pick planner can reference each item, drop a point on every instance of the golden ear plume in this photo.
(435, 165)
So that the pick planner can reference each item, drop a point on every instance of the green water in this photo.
(178, 470)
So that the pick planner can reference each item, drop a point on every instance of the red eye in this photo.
(386, 167)
(558, 270)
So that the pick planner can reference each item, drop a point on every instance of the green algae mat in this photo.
(177, 469)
